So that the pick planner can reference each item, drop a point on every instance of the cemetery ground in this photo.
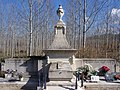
(64, 85)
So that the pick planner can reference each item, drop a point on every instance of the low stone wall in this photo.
(19, 64)
(96, 63)
(99, 62)
(29, 65)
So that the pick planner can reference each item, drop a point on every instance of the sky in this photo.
(55, 2)
(115, 3)
(114, 7)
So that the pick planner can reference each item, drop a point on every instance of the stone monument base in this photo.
(60, 70)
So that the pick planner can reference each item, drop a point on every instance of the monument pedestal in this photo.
(60, 70)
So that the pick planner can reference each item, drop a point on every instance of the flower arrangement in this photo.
(103, 70)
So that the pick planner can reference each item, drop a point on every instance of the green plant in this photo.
(93, 73)
(2, 74)
(2, 60)
(86, 70)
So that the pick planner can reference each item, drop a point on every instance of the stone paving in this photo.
(63, 85)
(63, 88)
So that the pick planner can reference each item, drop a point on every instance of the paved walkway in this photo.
(62, 88)
(64, 85)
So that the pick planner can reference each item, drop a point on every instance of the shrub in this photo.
(2, 74)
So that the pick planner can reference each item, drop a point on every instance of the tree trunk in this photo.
(84, 27)
(31, 31)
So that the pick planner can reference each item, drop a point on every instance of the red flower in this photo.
(105, 68)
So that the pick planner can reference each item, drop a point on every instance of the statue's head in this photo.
(60, 12)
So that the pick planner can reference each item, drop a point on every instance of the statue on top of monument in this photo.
(60, 12)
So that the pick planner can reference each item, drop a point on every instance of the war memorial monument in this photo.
(59, 52)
